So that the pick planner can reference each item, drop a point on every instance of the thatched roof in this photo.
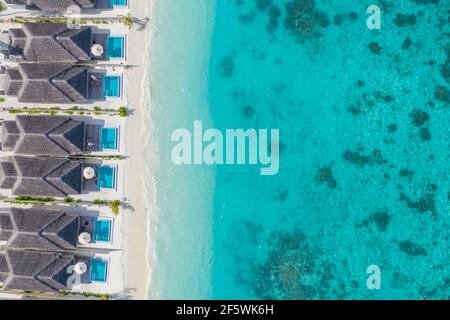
(38, 229)
(47, 83)
(56, 5)
(41, 177)
(35, 271)
(43, 135)
(52, 42)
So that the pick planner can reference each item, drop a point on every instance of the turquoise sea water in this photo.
(365, 149)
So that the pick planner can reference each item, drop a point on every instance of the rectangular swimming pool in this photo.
(108, 138)
(111, 86)
(107, 177)
(102, 230)
(99, 270)
(116, 47)
(118, 3)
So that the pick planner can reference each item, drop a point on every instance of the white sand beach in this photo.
(137, 169)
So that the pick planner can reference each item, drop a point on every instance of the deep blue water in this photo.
(365, 149)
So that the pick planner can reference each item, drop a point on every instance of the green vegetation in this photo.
(100, 202)
(128, 21)
(1, 98)
(30, 198)
(86, 294)
(103, 157)
(68, 200)
(122, 111)
(74, 110)
(114, 205)
(23, 20)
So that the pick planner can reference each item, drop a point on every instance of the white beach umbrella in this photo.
(97, 50)
(84, 238)
(80, 268)
(89, 173)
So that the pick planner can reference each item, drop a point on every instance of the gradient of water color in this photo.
(365, 149)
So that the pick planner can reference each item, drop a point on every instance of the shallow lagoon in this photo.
(364, 169)
(364, 177)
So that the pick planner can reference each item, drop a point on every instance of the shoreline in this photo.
(180, 223)
(136, 242)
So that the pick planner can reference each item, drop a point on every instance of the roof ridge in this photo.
(50, 137)
(57, 80)
(30, 37)
(62, 46)
(60, 178)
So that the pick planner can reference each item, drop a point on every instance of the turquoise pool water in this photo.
(119, 3)
(109, 138)
(99, 270)
(116, 47)
(111, 86)
(102, 230)
(106, 177)
(365, 149)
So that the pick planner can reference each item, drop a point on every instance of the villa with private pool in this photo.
(56, 42)
(55, 177)
(29, 270)
(57, 136)
(53, 229)
(57, 6)
(75, 244)
(62, 84)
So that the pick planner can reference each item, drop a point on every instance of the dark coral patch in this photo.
(381, 220)
(263, 5)
(431, 187)
(411, 248)
(248, 112)
(405, 20)
(362, 160)
(445, 71)
(423, 204)
(442, 94)
(392, 128)
(354, 109)
(289, 260)
(406, 173)
(325, 175)
(274, 15)
(419, 117)
(247, 18)
(375, 47)
(293, 269)
(425, 1)
(227, 67)
(425, 134)
(353, 16)
(303, 20)
(407, 43)
(338, 19)
(281, 195)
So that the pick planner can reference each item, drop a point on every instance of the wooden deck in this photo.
(92, 136)
(96, 86)
(91, 185)
(101, 39)
(102, 4)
